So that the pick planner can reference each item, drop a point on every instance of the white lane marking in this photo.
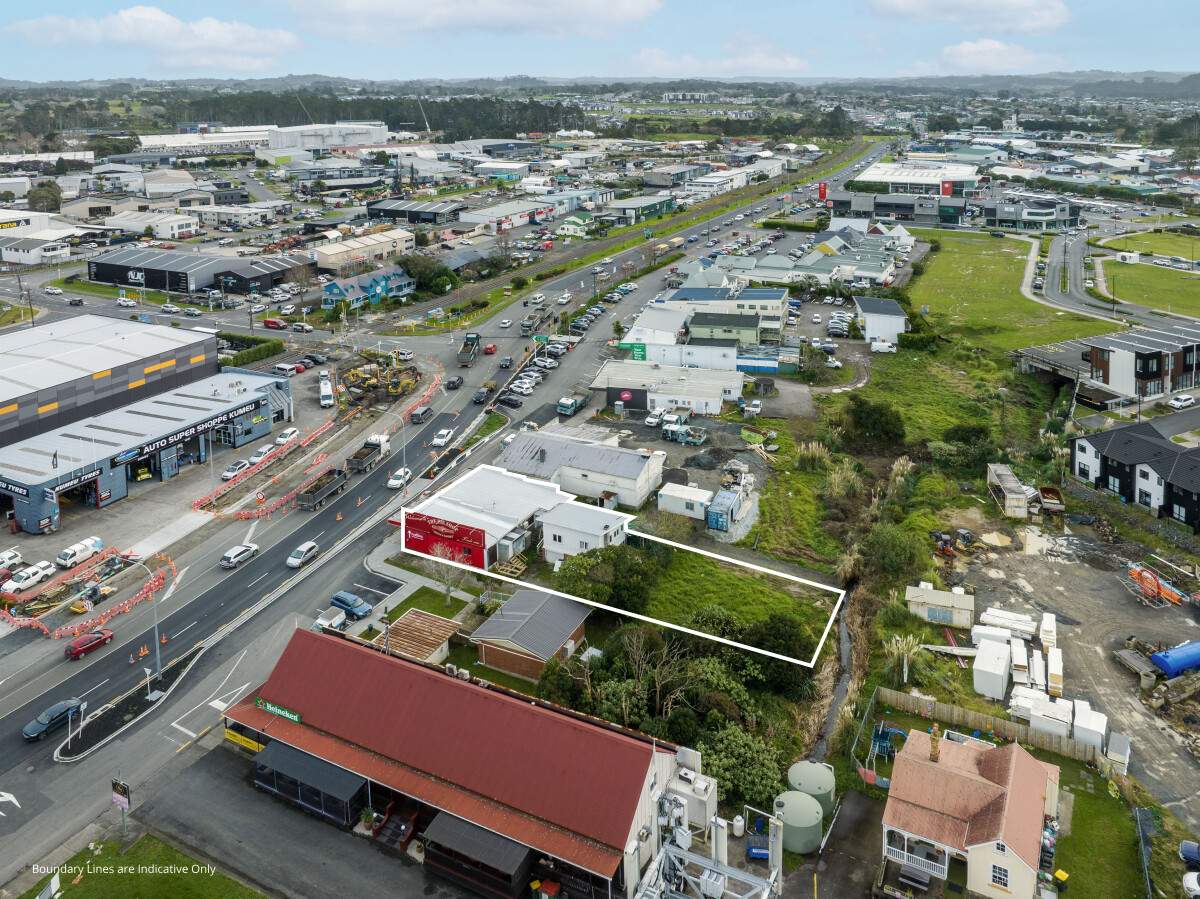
(175, 724)
(95, 688)
(174, 584)
(253, 527)
(372, 589)
(256, 580)
(193, 624)
(221, 703)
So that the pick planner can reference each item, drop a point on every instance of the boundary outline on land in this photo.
(810, 663)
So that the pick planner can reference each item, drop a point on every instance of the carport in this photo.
(331, 792)
(477, 858)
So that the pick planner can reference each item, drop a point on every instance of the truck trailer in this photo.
(376, 447)
(468, 350)
(314, 495)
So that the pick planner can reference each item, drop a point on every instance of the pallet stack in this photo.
(1020, 662)
(1048, 632)
(1016, 622)
(1054, 672)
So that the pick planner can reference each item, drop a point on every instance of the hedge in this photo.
(265, 349)
(553, 273)
(815, 226)
(916, 341)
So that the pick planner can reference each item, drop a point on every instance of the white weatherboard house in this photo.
(881, 319)
(605, 473)
(572, 528)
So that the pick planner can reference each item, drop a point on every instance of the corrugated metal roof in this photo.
(471, 840)
(540, 456)
(546, 778)
(879, 306)
(492, 499)
(417, 634)
(539, 623)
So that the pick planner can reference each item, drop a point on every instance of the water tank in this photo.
(801, 817)
(1178, 660)
(814, 779)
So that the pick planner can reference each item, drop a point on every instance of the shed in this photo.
(684, 500)
(991, 669)
(724, 509)
(419, 635)
(954, 608)
(1007, 490)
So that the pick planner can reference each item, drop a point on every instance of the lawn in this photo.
(428, 599)
(972, 288)
(105, 290)
(693, 581)
(107, 880)
(11, 315)
(790, 513)
(466, 658)
(1155, 286)
(1165, 244)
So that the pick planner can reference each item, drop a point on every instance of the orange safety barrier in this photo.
(82, 627)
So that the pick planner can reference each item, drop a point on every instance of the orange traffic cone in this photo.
(339, 516)
(164, 638)
(360, 500)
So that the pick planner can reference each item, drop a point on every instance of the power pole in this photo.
(23, 293)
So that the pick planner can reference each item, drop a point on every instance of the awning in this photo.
(490, 849)
(311, 771)
(276, 399)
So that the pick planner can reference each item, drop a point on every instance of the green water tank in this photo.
(816, 780)
(801, 817)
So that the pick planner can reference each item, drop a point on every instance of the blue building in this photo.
(386, 283)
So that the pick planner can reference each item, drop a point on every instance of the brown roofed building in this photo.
(346, 725)
(953, 805)
(419, 635)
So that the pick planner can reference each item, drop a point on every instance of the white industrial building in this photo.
(33, 251)
(17, 185)
(680, 499)
(242, 216)
(648, 385)
(163, 225)
(881, 319)
(324, 137)
(946, 178)
(715, 183)
(505, 216)
(608, 474)
(368, 248)
(658, 324)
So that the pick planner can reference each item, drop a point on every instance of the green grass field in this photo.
(972, 288)
(466, 658)
(428, 599)
(105, 880)
(11, 315)
(1165, 244)
(1168, 289)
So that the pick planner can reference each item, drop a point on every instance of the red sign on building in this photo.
(821, 188)
(423, 533)
(947, 188)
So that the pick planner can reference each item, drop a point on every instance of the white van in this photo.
(538, 298)
(882, 346)
(79, 552)
(326, 394)
(284, 368)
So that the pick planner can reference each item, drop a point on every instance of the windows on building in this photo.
(583, 544)
(1000, 877)
(1143, 474)
(556, 538)
(1001, 849)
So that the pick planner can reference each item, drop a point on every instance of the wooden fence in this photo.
(969, 722)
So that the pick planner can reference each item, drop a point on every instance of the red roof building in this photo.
(573, 789)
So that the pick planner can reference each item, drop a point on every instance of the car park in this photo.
(286, 436)
(234, 469)
(302, 554)
(399, 478)
(85, 643)
(524, 389)
(442, 437)
(28, 577)
(354, 606)
(51, 719)
(236, 555)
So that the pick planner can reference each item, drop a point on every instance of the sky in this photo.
(412, 39)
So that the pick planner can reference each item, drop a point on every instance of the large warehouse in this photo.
(506, 216)
(163, 225)
(60, 372)
(946, 178)
(99, 458)
(188, 272)
(368, 248)
(416, 212)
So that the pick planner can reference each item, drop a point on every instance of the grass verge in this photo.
(466, 658)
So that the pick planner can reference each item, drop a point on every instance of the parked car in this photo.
(51, 719)
(513, 402)
(286, 436)
(654, 419)
(402, 355)
(354, 606)
(303, 553)
(399, 479)
(261, 453)
(1183, 401)
(10, 559)
(28, 577)
(289, 309)
(1191, 885)
(85, 643)
(523, 388)
(542, 362)
(442, 437)
(239, 554)
(234, 469)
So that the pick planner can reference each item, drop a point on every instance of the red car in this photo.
(489, 349)
(5, 575)
(85, 643)
(300, 366)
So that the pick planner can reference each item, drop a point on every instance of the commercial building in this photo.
(881, 319)
(324, 137)
(528, 630)
(715, 183)
(182, 272)
(743, 328)
(561, 798)
(416, 212)
(242, 216)
(506, 171)
(93, 460)
(971, 809)
(608, 474)
(368, 248)
(947, 179)
(647, 386)
(506, 216)
(389, 283)
(1142, 465)
(33, 251)
(918, 209)
(674, 175)
(1032, 215)
(639, 209)
(163, 225)
(766, 302)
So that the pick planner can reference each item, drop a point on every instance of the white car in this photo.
(464, 242)
(28, 577)
(10, 559)
(816, 318)
(286, 436)
(305, 552)
(1191, 885)
(289, 309)
(234, 469)
(258, 307)
(506, 323)
(404, 355)
(261, 453)
(239, 554)
(543, 362)
(442, 437)
(1183, 401)
(126, 302)
(563, 300)
(399, 479)
(1089, 283)
(170, 308)
(607, 260)
(832, 363)
(54, 291)
(521, 387)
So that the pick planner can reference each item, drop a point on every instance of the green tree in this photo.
(877, 423)
(1186, 154)
(45, 197)
(61, 167)
(784, 635)
(380, 157)
(618, 328)
(896, 551)
(422, 238)
(746, 768)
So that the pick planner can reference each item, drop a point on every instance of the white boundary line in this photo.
(811, 663)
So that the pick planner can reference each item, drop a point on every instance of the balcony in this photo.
(917, 861)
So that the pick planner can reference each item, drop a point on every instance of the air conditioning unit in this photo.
(687, 775)
(452, 670)
(463, 674)
(568, 649)
(712, 884)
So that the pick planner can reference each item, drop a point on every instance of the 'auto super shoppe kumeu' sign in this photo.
(141, 452)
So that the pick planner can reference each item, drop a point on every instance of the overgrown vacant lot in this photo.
(973, 290)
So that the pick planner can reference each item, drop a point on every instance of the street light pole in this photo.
(154, 606)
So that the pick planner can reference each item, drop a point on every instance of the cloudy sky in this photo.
(400, 39)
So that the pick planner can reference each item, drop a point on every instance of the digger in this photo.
(961, 540)
(943, 543)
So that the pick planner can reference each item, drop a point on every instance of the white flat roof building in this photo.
(653, 386)
(164, 225)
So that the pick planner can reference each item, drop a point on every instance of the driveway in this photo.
(794, 400)
(212, 807)
(848, 866)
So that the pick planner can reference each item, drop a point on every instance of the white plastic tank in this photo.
(816, 780)
(739, 826)
(801, 817)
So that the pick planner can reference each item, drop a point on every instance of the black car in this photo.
(454, 383)
(1189, 854)
(513, 402)
(51, 719)
(316, 358)
(506, 362)
(480, 397)
(75, 301)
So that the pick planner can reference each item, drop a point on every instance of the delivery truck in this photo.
(468, 350)
(376, 447)
(577, 399)
(314, 495)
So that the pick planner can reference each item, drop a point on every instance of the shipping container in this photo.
(724, 510)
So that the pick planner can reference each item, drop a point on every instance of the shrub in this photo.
(895, 550)
(267, 347)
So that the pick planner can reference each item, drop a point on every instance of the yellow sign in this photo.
(235, 737)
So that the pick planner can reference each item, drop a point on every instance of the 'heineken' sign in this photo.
(277, 710)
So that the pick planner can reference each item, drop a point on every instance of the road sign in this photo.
(541, 338)
(260, 496)
(121, 794)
